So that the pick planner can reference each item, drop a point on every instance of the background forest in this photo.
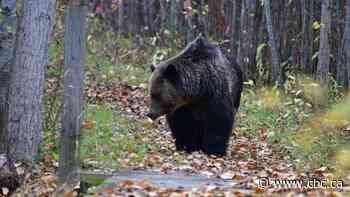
(294, 114)
(268, 41)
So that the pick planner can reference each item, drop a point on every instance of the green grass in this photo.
(107, 72)
(110, 139)
(310, 138)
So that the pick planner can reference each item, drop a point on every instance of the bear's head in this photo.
(164, 90)
(169, 79)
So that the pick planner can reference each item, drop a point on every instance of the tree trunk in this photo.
(276, 71)
(307, 36)
(172, 20)
(236, 7)
(216, 13)
(148, 15)
(323, 57)
(120, 18)
(163, 14)
(250, 21)
(190, 33)
(7, 38)
(338, 13)
(134, 21)
(27, 78)
(343, 64)
(74, 51)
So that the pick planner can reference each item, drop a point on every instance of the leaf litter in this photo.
(248, 159)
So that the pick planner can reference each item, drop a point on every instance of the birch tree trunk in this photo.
(323, 57)
(73, 81)
(276, 71)
(343, 64)
(27, 78)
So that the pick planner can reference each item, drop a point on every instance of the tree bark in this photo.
(134, 21)
(120, 18)
(276, 70)
(7, 38)
(172, 20)
(216, 13)
(307, 36)
(250, 22)
(73, 81)
(27, 78)
(190, 27)
(236, 7)
(148, 16)
(323, 57)
(343, 64)
(163, 13)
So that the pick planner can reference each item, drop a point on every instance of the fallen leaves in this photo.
(48, 179)
(5, 191)
(228, 175)
(248, 158)
(88, 124)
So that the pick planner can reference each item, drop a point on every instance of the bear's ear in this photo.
(171, 74)
(200, 40)
(199, 48)
(198, 44)
(152, 67)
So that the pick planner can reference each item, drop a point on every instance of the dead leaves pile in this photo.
(127, 98)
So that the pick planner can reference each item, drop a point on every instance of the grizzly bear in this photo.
(199, 91)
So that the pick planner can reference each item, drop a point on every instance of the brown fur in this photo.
(193, 89)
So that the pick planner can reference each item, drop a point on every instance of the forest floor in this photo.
(251, 157)
(249, 162)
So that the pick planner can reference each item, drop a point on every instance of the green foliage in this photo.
(52, 101)
(106, 72)
(55, 51)
(292, 125)
(335, 92)
(261, 68)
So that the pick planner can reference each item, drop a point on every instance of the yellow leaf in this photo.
(316, 25)
(148, 124)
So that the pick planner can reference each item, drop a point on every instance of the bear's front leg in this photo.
(183, 128)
